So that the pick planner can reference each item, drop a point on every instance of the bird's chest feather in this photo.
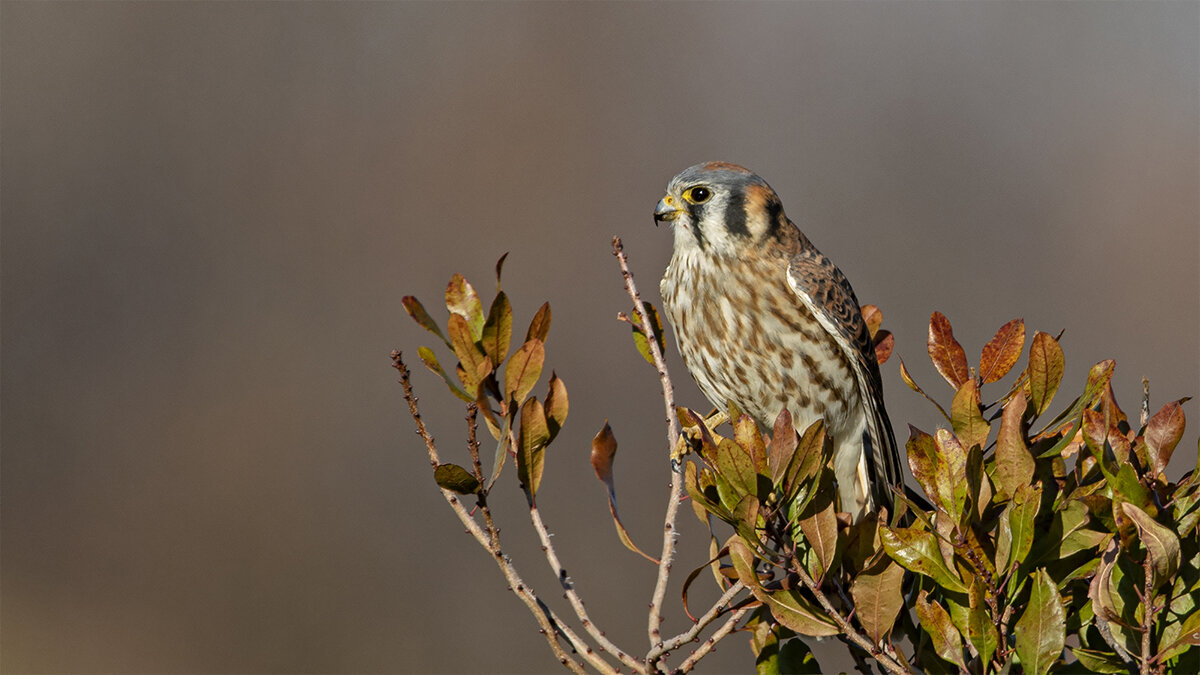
(746, 337)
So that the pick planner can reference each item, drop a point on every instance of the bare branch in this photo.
(676, 489)
(690, 634)
(550, 625)
(709, 644)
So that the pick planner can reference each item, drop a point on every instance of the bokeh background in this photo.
(211, 211)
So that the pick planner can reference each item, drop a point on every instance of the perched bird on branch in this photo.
(764, 320)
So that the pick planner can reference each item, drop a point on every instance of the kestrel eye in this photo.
(698, 195)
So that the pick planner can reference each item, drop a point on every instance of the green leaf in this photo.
(531, 447)
(1014, 464)
(1020, 514)
(1000, 354)
(417, 311)
(735, 466)
(798, 613)
(952, 473)
(1040, 632)
(430, 360)
(639, 333)
(936, 622)
(462, 300)
(945, 352)
(497, 331)
(918, 551)
(965, 416)
(1161, 544)
(539, 328)
(556, 405)
(1099, 662)
(877, 598)
(1188, 636)
(980, 630)
(523, 370)
(454, 478)
(1045, 371)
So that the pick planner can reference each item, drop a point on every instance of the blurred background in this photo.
(211, 211)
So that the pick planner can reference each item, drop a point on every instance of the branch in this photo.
(690, 634)
(573, 597)
(550, 625)
(676, 489)
(711, 643)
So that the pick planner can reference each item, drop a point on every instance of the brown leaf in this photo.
(497, 330)
(462, 300)
(469, 357)
(936, 621)
(783, 445)
(531, 454)
(1163, 432)
(556, 405)
(1000, 354)
(945, 352)
(1014, 463)
(604, 454)
(539, 327)
(523, 370)
(745, 432)
(877, 598)
(873, 318)
(819, 524)
(912, 384)
(499, 267)
(417, 311)
(884, 343)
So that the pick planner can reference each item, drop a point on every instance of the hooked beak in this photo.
(666, 210)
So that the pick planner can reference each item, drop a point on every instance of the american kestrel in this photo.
(765, 320)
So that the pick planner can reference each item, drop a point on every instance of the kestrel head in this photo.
(719, 207)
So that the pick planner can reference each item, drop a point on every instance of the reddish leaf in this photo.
(819, 524)
(783, 445)
(1014, 463)
(539, 328)
(475, 365)
(417, 311)
(1000, 354)
(500, 266)
(604, 453)
(945, 352)
(884, 343)
(1163, 432)
(556, 405)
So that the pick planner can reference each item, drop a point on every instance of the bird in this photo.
(766, 321)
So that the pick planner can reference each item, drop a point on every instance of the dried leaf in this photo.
(877, 598)
(604, 454)
(1041, 630)
(462, 300)
(1045, 371)
(884, 344)
(873, 318)
(499, 267)
(1000, 354)
(945, 352)
(1014, 463)
(783, 446)
(417, 311)
(539, 328)
(497, 331)
(454, 478)
(556, 405)
(531, 446)
(523, 370)
(819, 525)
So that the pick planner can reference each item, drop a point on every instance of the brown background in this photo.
(211, 211)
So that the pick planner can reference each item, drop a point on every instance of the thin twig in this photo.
(691, 634)
(709, 644)
(569, 592)
(676, 489)
(1148, 612)
(550, 625)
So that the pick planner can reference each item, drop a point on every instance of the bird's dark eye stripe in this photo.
(735, 215)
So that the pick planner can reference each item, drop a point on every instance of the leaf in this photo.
(877, 598)
(462, 300)
(936, 622)
(639, 333)
(952, 474)
(499, 267)
(918, 551)
(523, 370)
(1045, 371)
(539, 327)
(1000, 354)
(735, 465)
(531, 446)
(945, 352)
(454, 478)
(819, 525)
(787, 607)
(745, 432)
(873, 318)
(430, 360)
(469, 356)
(1041, 630)
(912, 384)
(1020, 514)
(1014, 463)
(1163, 432)
(417, 311)
(1189, 635)
(604, 454)
(497, 331)
(1099, 662)
(1161, 544)
(884, 343)
(556, 405)
(980, 630)
(783, 446)
(966, 418)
